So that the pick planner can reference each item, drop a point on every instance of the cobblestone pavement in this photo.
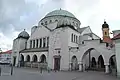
(34, 74)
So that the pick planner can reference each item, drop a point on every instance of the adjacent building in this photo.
(5, 57)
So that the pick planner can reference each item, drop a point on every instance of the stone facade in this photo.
(62, 45)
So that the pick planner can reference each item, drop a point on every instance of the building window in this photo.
(44, 42)
(30, 43)
(76, 39)
(105, 33)
(76, 24)
(40, 43)
(47, 41)
(82, 42)
(33, 43)
(45, 22)
(37, 43)
(58, 52)
(73, 23)
(79, 39)
(72, 38)
(50, 21)
(41, 23)
(56, 20)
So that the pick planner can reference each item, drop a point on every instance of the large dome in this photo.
(60, 13)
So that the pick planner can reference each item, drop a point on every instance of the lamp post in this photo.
(69, 58)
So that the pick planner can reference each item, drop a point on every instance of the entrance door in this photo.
(56, 63)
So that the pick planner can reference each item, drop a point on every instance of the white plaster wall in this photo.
(117, 47)
(62, 43)
(72, 44)
(40, 32)
(18, 45)
(86, 31)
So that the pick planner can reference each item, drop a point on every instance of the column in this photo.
(38, 43)
(70, 66)
(35, 43)
(32, 43)
(46, 42)
(81, 66)
(106, 69)
(42, 42)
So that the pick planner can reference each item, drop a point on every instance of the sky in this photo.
(17, 15)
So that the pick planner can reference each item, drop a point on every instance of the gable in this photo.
(86, 31)
(40, 32)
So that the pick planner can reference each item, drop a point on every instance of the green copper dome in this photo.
(60, 13)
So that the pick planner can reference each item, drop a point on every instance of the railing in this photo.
(36, 65)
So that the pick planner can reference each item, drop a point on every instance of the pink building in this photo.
(5, 57)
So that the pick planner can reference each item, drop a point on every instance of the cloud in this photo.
(19, 14)
(15, 15)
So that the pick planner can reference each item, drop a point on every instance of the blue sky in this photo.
(15, 15)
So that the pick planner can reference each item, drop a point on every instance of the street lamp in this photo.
(69, 57)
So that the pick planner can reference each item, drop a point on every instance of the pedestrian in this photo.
(40, 69)
(48, 70)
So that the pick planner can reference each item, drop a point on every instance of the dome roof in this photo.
(105, 25)
(23, 34)
(60, 13)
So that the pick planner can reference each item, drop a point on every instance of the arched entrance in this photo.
(34, 58)
(89, 60)
(21, 60)
(113, 67)
(43, 59)
(101, 63)
(74, 63)
(93, 62)
(27, 58)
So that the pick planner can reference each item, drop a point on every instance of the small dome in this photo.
(105, 25)
(23, 34)
(60, 13)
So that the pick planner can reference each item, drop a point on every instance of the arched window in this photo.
(30, 43)
(28, 58)
(50, 21)
(34, 58)
(56, 20)
(73, 23)
(76, 39)
(44, 42)
(40, 45)
(47, 41)
(43, 58)
(36, 43)
(33, 43)
(45, 22)
(105, 33)
(72, 37)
